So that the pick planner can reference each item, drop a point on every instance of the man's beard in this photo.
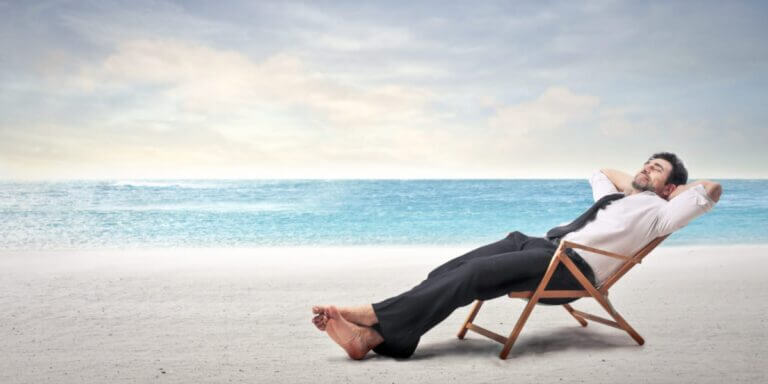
(641, 188)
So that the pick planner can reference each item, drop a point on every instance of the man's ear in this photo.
(668, 190)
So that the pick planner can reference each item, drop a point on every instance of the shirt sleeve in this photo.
(685, 207)
(601, 185)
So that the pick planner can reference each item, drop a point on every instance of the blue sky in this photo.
(244, 89)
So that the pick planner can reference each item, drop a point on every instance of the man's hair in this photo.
(679, 174)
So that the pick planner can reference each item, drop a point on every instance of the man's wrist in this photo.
(622, 181)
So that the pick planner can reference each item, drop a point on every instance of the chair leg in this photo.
(603, 300)
(531, 303)
(578, 318)
(470, 319)
(518, 327)
(620, 320)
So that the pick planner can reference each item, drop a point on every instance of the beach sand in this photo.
(243, 315)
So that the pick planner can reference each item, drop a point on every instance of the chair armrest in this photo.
(569, 244)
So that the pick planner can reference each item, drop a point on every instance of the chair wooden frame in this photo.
(598, 293)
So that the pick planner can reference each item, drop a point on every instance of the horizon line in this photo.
(32, 180)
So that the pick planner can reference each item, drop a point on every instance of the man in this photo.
(629, 212)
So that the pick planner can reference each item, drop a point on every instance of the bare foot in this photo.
(321, 318)
(354, 339)
(360, 315)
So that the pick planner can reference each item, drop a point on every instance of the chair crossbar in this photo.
(550, 294)
(569, 244)
(487, 333)
(598, 319)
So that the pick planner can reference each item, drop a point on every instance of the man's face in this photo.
(653, 177)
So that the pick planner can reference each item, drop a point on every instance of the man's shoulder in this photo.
(646, 199)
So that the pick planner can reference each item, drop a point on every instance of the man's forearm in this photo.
(622, 181)
(714, 189)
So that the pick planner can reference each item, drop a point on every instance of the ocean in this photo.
(249, 213)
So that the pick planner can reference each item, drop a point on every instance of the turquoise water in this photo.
(242, 213)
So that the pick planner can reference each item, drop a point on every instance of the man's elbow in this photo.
(714, 190)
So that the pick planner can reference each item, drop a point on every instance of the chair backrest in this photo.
(636, 259)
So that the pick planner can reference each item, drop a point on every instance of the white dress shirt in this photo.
(626, 225)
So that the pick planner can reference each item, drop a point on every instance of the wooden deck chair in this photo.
(599, 293)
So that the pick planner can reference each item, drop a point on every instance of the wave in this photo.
(164, 184)
(211, 207)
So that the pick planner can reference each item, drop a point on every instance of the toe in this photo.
(320, 325)
(333, 313)
(319, 318)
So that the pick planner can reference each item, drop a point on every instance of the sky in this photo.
(498, 89)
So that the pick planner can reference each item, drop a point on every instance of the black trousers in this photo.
(517, 262)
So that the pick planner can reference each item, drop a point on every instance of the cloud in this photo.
(320, 29)
(201, 79)
(556, 108)
(174, 102)
(614, 122)
(359, 88)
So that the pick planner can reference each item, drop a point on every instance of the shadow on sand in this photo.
(538, 343)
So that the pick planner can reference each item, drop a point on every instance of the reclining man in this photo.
(629, 212)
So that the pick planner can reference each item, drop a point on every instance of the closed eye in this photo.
(656, 167)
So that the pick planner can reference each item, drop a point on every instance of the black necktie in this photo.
(586, 217)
